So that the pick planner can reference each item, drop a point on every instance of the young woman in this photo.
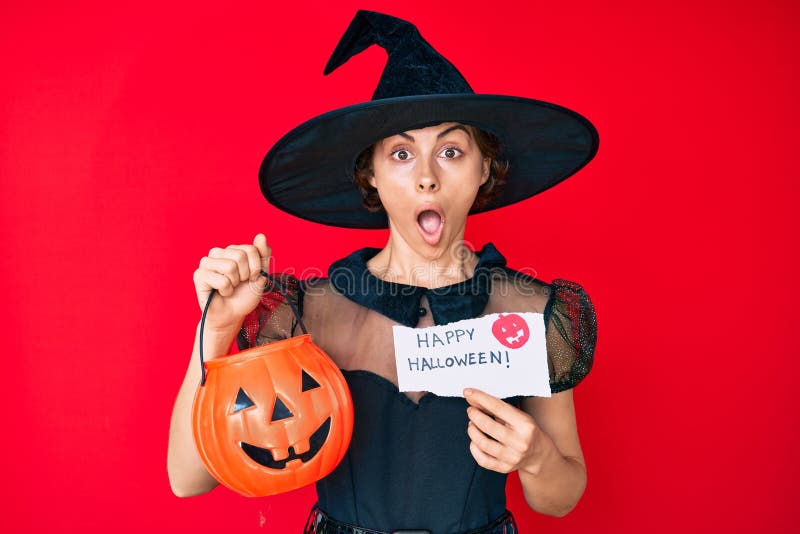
(417, 461)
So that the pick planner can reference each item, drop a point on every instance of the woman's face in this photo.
(427, 180)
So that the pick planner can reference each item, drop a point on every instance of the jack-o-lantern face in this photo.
(278, 457)
(511, 330)
(273, 418)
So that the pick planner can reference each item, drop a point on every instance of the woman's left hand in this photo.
(504, 438)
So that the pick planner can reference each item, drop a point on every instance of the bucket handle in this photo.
(275, 283)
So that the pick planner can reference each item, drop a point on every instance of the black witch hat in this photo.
(310, 171)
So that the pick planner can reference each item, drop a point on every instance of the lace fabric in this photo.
(571, 326)
(360, 338)
(273, 318)
(409, 462)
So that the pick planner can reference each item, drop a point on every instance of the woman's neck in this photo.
(400, 262)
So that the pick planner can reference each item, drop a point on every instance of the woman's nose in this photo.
(427, 184)
(427, 180)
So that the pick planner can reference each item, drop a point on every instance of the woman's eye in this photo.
(450, 152)
(400, 154)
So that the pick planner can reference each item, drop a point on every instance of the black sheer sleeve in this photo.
(273, 319)
(571, 328)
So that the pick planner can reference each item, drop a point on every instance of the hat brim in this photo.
(309, 171)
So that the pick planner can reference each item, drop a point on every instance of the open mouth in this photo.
(266, 458)
(430, 221)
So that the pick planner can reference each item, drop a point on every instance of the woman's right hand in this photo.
(235, 272)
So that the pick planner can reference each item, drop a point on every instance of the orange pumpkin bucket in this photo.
(271, 418)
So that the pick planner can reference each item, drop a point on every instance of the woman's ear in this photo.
(487, 165)
(374, 149)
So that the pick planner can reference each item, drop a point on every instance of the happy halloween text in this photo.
(422, 363)
(429, 340)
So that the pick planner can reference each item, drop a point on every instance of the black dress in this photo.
(409, 465)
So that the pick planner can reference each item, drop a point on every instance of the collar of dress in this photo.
(400, 302)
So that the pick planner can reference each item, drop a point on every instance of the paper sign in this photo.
(503, 354)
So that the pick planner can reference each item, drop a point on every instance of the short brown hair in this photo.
(489, 146)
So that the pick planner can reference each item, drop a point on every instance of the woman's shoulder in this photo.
(537, 295)
(286, 284)
(280, 312)
(518, 290)
(569, 317)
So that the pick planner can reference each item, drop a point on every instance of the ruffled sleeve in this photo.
(571, 331)
(273, 318)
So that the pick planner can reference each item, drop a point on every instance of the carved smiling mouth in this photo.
(265, 457)
(512, 339)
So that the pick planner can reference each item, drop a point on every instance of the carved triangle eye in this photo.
(308, 382)
(280, 411)
(242, 401)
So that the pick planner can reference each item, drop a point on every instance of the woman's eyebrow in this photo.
(442, 134)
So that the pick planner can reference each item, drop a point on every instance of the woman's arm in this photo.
(541, 443)
(187, 474)
(235, 274)
(554, 481)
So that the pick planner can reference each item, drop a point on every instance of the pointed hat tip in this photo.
(363, 31)
(337, 59)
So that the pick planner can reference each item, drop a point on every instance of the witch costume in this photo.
(408, 467)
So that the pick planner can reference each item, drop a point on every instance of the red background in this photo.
(130, 139)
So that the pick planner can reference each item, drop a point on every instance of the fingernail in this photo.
(467, 392)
